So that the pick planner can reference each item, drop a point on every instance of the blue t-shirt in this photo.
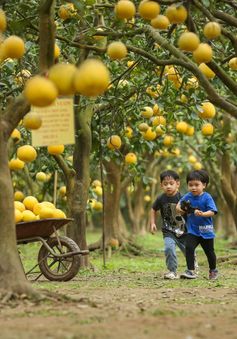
(200, 226)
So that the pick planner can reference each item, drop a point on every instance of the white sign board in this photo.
(57, 124)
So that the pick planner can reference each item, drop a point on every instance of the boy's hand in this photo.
(198, 213)
(153, 228)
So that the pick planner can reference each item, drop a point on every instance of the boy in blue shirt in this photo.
(200, 208)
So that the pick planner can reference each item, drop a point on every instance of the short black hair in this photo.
(169, 173)
(199, 175)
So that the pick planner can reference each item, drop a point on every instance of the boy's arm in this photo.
(153, 227)
(178, 209)
(204, 214)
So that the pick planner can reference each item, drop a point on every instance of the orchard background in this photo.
(154, 88)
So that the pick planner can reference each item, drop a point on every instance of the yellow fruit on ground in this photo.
(176, 14)
(168, 140)
(148, 9)
(160, 22)
(117, 50)
(16, 164)
(208, 110)
(149, 135)
(29, 202)
(207, 129)
(18, 216)
(40, 91)
(58, 214)
(16, 135)
(114, 142)
(41, 176)
(26, 153)
(62, 190)
(130, 158)
(181, 127)
(212, 30)
(28, 216)
(62, 75)
(206, 71)
(3, 21)
(114, 243)
(147, 112)
(19, 205)
(160, 130)
(14, 47)
(192, 159)
(57, 51)
(188, 41)
(143, 127)
(98, 190)
(92, 78)
(19, 196)
(203, 53)
(55, 149)
(159, 120)
(190, 131)
(128, 132)
(46, 213)
(32, 120)
(233, 64)
(125, 9)
(197, 166)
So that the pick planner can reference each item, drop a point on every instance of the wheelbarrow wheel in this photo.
(55, 268)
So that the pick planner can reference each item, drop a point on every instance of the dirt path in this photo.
(125, 312)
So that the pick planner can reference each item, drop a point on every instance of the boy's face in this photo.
(196, 187)
(170, 186)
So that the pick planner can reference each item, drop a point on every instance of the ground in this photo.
(129, 298)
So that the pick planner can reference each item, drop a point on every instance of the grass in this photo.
(136, 271)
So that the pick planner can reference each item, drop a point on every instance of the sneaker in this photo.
(171, 275)
(188, 275)
(213, 274)
(196, 266)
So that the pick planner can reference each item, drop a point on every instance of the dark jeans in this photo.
(192, 241)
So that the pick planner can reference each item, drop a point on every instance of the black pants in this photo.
(192, 241)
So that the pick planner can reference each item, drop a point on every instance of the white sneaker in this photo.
(171, 275)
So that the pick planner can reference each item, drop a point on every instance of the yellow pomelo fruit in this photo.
(58, 214)
(192, 159)
(207, 129)
(16, 164)
(41, 176)
(46, 213)
(203, 53)
(147, 198)
(176, 152)
(96, 183)
(212, 30)
(190, 131)
(148, 9)
(37, 207)
(206, 71)
(28, 216)
(19, 205)
(117, 50)
(16, 135)
(208, 110)
(98, 190)
(147, 112)
(66, 11)
(192, 83)
(159, 120)
(176, 14)
(130, 158)
(188, 41)
(233, 64)
(19, 196)
(168, 140)
(92, 78)
(197, 166)
(125, 9)
(160, 22)
(3, 21)
(128, 132)
(143, 127)
(149, 135)
(48, 204)
(18, 216)
(62, 190)
(97, 206)
(14, 47)
(32, 120)
(40, 91)
(181, 127)
(114, 142)
(156, 110)
(29, 202)
(26, 153)
(57, 51)
(62, 75)
(55, 149)
(160, 130)
(130, 63)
